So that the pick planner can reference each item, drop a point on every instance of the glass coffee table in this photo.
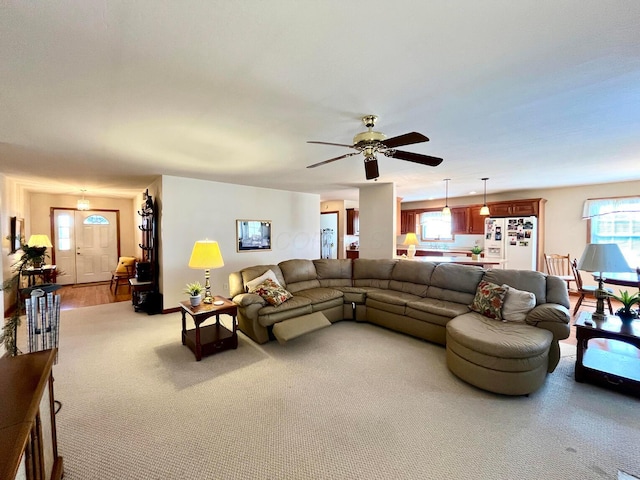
(606, 367)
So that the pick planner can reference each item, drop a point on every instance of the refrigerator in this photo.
(512, 239)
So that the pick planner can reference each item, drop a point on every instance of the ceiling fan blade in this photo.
(415, 157)
(334, 144)
(333, 159)
(406, 139)
(371, 169)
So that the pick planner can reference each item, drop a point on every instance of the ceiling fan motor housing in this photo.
(368, 137)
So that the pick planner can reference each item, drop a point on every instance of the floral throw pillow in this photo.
(488, 300)
(272, 292)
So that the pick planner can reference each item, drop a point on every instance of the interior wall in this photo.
(193, 209)
(338, 206)
(40, 218)
(377, 220)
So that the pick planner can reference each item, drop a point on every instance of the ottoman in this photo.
(509, 358)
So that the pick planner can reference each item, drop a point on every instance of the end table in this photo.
(603, 367)
(213, 338)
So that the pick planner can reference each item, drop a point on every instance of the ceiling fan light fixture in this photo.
(446, 211)
(484, 211)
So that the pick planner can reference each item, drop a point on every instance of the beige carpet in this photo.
(352, 401)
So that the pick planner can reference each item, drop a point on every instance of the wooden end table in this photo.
(602, 367)
(213, 338)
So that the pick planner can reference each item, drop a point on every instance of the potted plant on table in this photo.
(625, 313)
(476, 250)
(194, 290)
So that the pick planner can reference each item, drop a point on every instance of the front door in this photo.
(86, 245)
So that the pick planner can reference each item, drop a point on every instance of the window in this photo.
(95, 220)
(435, 226)
(616, 220)
(64, 232)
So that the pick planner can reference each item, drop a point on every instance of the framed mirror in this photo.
(253, 235)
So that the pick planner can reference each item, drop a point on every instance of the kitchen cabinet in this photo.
(467, 220)
(353, 221)
(407, 221)
(516, 208)
(352, 254)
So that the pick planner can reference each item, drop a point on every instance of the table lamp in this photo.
(601, 258)
(205, 256)
(411, 240)
(38, 244)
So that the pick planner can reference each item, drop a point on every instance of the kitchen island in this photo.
(481, 262)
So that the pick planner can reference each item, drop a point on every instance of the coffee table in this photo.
(604, 367)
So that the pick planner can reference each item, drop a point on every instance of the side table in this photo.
(603, 367)
(213, 338)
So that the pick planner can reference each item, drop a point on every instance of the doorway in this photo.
(329, 235)
(86, 245)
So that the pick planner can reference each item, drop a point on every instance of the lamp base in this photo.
(411, 251)
(600, 295)
(207, 288)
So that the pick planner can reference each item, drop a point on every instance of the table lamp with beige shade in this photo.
(205, 256)
(602, 258)
(411, 240)
(36, 248)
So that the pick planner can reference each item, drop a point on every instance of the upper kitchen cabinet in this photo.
(467, 220)
(407, 221)
(516, 208)
(353, 221)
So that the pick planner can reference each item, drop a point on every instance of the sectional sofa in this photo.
(431, 301)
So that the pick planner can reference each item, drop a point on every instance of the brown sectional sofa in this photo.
(426, 300)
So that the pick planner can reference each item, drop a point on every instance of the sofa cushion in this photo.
(433, 306)
(517, 304)
(455, 283)
(299, 274)
(272, 292)
(488, 299)
(251, 284)
(320, 294)
(334, 272)
(374, 273)
(534, 282)
(411, 277)
(250, 273)
(294, 307)
(392, 297)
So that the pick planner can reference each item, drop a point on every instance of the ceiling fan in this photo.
(371, 143)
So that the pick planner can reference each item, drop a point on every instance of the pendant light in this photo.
(83, 204)
(485, 210)
(446, 211)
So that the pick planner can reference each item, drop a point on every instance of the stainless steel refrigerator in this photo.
(512, 239)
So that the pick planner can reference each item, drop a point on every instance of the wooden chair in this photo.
(560, 266)
(587, 290)
(123, 272)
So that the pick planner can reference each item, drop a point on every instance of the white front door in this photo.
(86, 245)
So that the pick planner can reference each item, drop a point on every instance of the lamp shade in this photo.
(603, 257)
(39, 240)
(206, 254)
(411, 239)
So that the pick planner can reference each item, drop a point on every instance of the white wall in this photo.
(194, 209)
(378, 220)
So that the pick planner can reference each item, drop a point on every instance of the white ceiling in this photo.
(107, 95)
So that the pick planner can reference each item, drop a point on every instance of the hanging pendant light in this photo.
(83, 204)
(446, 211)
(485, 210)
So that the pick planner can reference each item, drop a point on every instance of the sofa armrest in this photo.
(246, 299)
(548, 312)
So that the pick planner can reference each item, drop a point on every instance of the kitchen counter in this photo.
(437, 251)
(482, 262)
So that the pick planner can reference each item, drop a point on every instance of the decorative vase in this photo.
(475, 256)
(195, 300)
(626, 317)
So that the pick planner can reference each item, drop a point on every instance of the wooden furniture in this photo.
(28, 440)
(352, 254)
(622, 279)
(587, 291)
(353, 221)
(211, 338)
(46, 274)
(605, 367)
(123, 272)
(139, 292)
(560, 266)
(147, 268)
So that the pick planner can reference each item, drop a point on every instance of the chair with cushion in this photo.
(587, 290)
(123, 272)
(560, 266)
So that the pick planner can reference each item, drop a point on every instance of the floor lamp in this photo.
(205, 256)
(602, 258)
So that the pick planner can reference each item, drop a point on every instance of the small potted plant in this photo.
(625, 313)
(476, 250)
(194, 290)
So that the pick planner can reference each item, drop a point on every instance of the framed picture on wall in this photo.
(17, 233)
(253, 235)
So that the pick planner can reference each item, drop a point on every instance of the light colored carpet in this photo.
(352, 401)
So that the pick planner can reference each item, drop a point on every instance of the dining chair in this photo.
(587, 291)
(560, 266)
(123, 272)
